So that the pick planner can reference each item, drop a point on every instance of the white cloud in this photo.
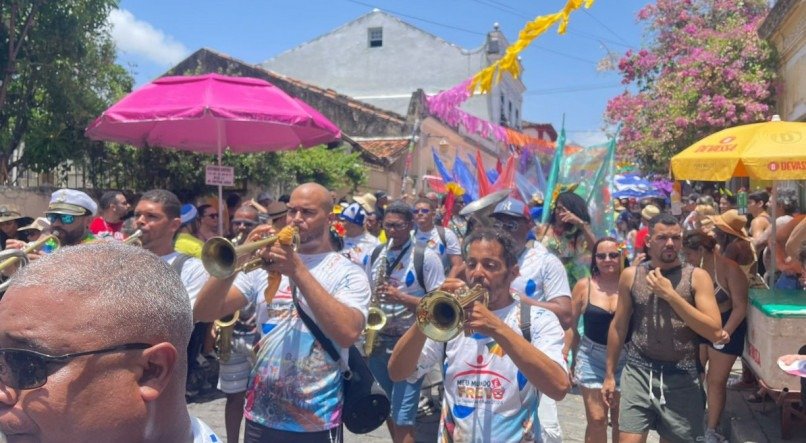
(140, 38)
(587, 138)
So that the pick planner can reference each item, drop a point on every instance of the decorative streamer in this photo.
(552, 180)
(483, 81)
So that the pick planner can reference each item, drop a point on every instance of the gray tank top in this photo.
(660, 337)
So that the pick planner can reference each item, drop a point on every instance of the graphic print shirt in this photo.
(542, 275)
(359, 248)
(487, 398)
(295, 385)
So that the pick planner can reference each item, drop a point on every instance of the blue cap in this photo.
(71, 202)
(188, 213)
(512, 207)
(353, 213)
(536, 213)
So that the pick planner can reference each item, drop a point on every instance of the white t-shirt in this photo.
(295, 385)
(193, 275)
(487, 398)
(201, 432)
(404, 277)
(359, 248)
(542, 275)
(432, 240)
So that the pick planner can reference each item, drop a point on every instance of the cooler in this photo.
(776, 325)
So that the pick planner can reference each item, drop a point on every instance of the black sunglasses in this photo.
(26, 369)
(612, 255)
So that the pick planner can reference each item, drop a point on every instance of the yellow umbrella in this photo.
(768, 151)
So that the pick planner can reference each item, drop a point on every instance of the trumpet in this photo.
(29, 248)
(134, 239)
(220, 256)
(441, 315)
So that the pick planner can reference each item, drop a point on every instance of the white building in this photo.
(381, 60)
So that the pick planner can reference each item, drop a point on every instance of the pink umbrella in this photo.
(212, 112)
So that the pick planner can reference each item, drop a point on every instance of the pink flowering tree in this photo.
(704, 69)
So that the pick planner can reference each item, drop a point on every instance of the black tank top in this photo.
(596, 322)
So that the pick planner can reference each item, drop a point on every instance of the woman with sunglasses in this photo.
(568, 235)
(595, 299)
(730, 289)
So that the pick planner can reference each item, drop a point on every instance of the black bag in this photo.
(366, 405)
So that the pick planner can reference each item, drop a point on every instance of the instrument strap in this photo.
(326, 343)
(391, 266)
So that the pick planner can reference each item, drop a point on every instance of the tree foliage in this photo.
(58, 73)
(704, 69)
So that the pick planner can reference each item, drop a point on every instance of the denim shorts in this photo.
(591, 364)
(403, 396)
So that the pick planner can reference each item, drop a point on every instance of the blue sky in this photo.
(560, 72)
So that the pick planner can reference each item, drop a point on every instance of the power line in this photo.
(456, 28)
(605, 26)
(578, 88)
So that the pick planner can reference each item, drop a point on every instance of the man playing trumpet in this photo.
(492, 372)
(295, 390)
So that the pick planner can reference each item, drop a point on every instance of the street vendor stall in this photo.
(776, 319)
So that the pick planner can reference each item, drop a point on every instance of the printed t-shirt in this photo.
(542, 275)
(432, 240)
(193, 275)
(359, 248)
(404, 277)
(103, 229)
(295, 385)
(487, 398)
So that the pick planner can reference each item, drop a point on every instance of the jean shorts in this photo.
(591, 364)
(403, 396)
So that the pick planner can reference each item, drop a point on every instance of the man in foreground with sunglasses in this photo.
(92, 343)
(542, 279)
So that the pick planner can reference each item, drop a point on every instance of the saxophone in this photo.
(223, 342)
(376, 318)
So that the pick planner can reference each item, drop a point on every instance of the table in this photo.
(776, 325)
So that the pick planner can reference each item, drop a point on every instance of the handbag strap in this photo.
(317, 333)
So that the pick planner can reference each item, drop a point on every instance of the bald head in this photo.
(247, 212)
(113, 284)
(314, 192)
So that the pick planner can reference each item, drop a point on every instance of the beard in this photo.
(668, 256)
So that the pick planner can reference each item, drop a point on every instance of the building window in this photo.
(375, 37)
(517, 122)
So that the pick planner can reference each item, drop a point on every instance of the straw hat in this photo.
(730, 222)
(40, 224)
(9, 213)
(649, 211)
(367, 201)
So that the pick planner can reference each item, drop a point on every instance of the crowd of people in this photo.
(113, 333)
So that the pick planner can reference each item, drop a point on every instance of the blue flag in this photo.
(446, 176)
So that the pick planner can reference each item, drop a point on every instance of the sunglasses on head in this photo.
(603, 255)
(422, 211)
(26, 369)
(67, 219)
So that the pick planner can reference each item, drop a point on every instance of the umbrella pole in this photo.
(220, 127)
(771, 242)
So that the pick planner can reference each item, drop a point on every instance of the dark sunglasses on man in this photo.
(26, 369)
